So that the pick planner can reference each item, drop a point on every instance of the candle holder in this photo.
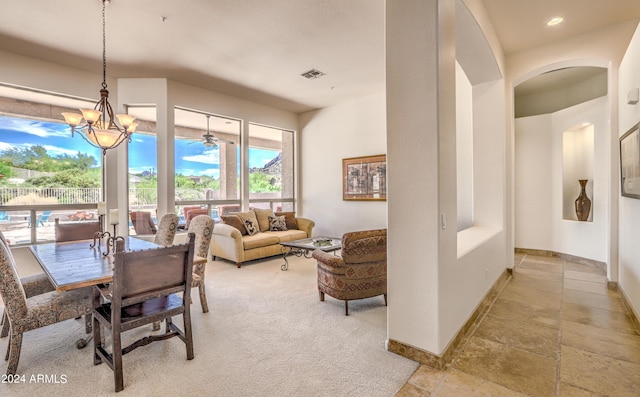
(110, 244)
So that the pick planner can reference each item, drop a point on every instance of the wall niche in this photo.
(577, 164)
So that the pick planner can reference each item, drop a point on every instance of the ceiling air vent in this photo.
(312, 74)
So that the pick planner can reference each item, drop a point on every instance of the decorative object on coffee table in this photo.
(304, 247)
(583, 203)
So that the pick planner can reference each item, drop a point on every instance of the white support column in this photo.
(420, 68)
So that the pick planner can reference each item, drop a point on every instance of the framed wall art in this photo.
(364, 178)
(630, 162)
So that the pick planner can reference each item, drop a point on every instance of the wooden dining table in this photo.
(74, 264)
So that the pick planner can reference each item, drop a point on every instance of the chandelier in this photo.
(100, 128)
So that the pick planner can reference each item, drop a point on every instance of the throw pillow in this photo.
(235, 221)
(263, 218)
(277, 224)
(290, 219)
(251, 226)
(247, 215)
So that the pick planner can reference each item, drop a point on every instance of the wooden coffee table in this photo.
(306, 246)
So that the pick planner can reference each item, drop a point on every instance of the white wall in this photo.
(601, 48)
(464, 148)
(352, 129)
(629, 278)
(539, 219)
(434, 287)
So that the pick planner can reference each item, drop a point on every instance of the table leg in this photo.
(285, 251)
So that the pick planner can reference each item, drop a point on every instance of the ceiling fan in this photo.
(210, 140)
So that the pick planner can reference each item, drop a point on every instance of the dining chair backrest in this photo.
(142, 222)
(141, 275)
(202, 227)
(166, 229)
(75, 231)
(11, 290)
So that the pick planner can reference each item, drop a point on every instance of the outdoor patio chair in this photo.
(142, 222)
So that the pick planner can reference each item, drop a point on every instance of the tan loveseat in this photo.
(228, 242)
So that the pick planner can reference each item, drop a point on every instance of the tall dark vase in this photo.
(583, 203)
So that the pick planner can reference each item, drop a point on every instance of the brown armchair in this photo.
(361, 271)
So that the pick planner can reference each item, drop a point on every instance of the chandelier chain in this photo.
(104, 47)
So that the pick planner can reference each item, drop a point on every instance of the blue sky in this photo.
(192, 158)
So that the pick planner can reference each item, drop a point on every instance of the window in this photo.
(45, 174)
(271, 168)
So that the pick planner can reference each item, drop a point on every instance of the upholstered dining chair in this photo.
(148, 286)
(361, 270)
(166, 229)
(26, 314)
(202, 227)
(75, 231)
(33, 285)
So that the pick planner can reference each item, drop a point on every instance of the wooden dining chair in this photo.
(202, 227)
(148, 285)
(26, 314)
(166, 229)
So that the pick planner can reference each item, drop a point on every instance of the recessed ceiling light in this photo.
(555, 21)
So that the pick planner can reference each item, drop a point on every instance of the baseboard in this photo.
(571, 258)
(627, 305)
(440, 361)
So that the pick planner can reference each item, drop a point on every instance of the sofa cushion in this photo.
(288, 235)
(263, 218)
(247, 215)
(290, 219)
(235, 221)
(277, 224)
(259, 240)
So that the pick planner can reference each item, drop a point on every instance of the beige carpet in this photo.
(266, 334)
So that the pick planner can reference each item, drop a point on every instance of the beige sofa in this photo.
(228, 242)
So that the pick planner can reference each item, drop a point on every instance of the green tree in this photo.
(5, 171)
(36, 158)
(68, 178)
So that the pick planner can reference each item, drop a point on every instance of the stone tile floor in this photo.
(555, 330)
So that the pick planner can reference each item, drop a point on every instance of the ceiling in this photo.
(258, 49)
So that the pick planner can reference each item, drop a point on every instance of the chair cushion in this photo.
(53, 307)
